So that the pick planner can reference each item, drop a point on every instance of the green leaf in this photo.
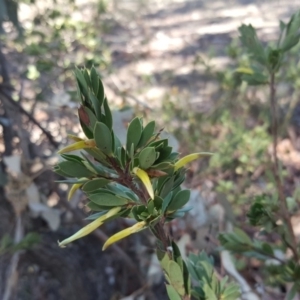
(173, 295)
(101, 94)
(179, 200)
(81, 82)
(267, 249)
(147, 133)
(186, 278)
(175, 215)
(96, 215)
(73, 181)
(291, 33)
(122, 191)
(252, 44)
(104, 199)
(94, 207)
(147, 157)
(159, 144)
(137, 211)
(96, 106)
(167, 187)
(117, 142)
(94, 80)
(98, 156)
(164, 153)
(293, 291)
(58, 171)
(95, 184)
(209, 293)
(150, 207)
(134, 133)
(242, 236)
(163, 258)
(108, 115)
(176, 277)
(73, 169)
(163, 166)
(231, 292)
(255, 79)
(72, 157)
(92, 165)
(88, 132)
(87, 77)
(122, 156)
(103, 138)
(166, 202)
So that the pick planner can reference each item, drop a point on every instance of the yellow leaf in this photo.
(74, 137)
(77, 146)
(90, 227)
(245, 70)
(185, 160)
(124, 233)
(73, 189)
(141, 174)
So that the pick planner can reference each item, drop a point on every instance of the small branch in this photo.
(30, 117)
(12, 274)
(7, 129)
(283, 204)
(126, 179)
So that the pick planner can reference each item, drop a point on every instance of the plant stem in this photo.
(126, 179)
(279, 184)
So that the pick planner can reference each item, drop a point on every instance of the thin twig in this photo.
(30, 117)
(283, 204)
(12, 274)
(126, 179)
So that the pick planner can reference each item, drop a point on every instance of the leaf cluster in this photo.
(111, 173)
(267, 59)
(208, 286)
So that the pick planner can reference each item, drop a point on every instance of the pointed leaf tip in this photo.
(77, 146)
(186, 159)
(73, 189)
(144, 177)
(124, 233)
(90, 227)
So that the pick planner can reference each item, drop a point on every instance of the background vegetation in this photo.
(175, 60)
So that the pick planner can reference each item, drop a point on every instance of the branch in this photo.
(30, 117)
(283, 204)
(12, 274)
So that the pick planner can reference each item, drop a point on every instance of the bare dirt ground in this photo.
(155, 46)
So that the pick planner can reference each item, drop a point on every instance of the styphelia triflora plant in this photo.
(140, 180)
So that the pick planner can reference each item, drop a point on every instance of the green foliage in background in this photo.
(271, 214)
(239, 128)
(7, 244)
(210, 287)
